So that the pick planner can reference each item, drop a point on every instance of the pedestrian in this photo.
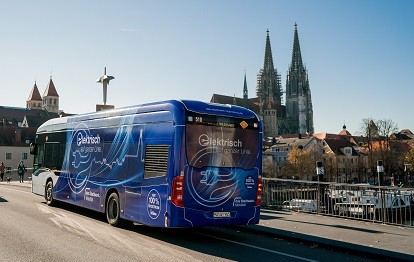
(2, 167)
(21, 169)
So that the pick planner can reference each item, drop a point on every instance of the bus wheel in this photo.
(48, 193)
(113, 210)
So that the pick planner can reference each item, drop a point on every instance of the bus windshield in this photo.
(216, 141)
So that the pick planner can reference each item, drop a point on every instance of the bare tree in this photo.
(377, 136)
(386, 128)
(269, 169)
(409, 157)
(369, 131)
(331, 168)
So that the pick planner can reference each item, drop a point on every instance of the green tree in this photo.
(301, 164)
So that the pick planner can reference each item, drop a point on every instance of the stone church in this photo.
(49, 101)
(18, 125)
(293, 117)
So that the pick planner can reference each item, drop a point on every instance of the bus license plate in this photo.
(221, 214)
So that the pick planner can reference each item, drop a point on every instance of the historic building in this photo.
(299, 112)
(18, 126)
(49, 101)
(293, 117)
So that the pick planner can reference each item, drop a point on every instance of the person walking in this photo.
(2, 168)
(21, 169)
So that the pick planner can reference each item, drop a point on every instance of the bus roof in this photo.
(60, 124)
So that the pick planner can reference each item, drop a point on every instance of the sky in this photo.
(359, 54)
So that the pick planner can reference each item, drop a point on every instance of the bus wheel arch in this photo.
(49, 192)
(113, 208)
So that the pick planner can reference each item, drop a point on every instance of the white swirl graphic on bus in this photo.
(210, 188)
(205, 140)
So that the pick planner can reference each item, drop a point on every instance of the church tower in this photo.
(35, 100)
(245, 93)
(269, 92)
(51, 98)
(269, 88)
(299, 112)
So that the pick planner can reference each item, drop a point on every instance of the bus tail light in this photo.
(177, 196)
(259, 191)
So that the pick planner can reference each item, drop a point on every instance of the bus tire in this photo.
(113, 210)
(48, 193)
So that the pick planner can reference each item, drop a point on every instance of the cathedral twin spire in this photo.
(269, 88)
(297, 114)
(268, 59)
(245, 93)
(296, 64)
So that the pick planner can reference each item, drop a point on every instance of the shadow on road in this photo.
(3, 200)
(218, 242)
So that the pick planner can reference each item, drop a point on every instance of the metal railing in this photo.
(388, 205)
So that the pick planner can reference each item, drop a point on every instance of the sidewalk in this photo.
(26, 183)
(385, 241)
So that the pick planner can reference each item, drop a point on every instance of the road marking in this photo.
(64, 221)
(260, 248)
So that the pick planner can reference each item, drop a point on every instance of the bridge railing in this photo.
(389, 205)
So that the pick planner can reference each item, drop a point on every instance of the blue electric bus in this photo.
(164, 164)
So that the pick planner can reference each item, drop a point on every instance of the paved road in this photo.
(386, 242)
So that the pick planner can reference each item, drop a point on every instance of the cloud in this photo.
(131, 30)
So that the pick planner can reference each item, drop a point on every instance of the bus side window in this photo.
(33, 148)
(38, 157)
(51, 155)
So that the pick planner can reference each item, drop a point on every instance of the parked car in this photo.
(307, 205)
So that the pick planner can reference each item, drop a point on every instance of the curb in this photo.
(371, 251)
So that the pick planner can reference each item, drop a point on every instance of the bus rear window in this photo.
(221, 142)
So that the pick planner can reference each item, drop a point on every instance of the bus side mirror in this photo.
(33, 149)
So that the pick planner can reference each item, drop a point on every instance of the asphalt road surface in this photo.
(32, 231)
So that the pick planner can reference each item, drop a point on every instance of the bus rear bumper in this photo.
(186, 217)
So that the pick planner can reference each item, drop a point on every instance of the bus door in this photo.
(133, 192)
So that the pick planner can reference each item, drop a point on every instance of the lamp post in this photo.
(380, 171)
(406, 172)
(319, 174)
(319, 170)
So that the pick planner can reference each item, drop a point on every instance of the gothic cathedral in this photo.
(299, 112)
(293, 117)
